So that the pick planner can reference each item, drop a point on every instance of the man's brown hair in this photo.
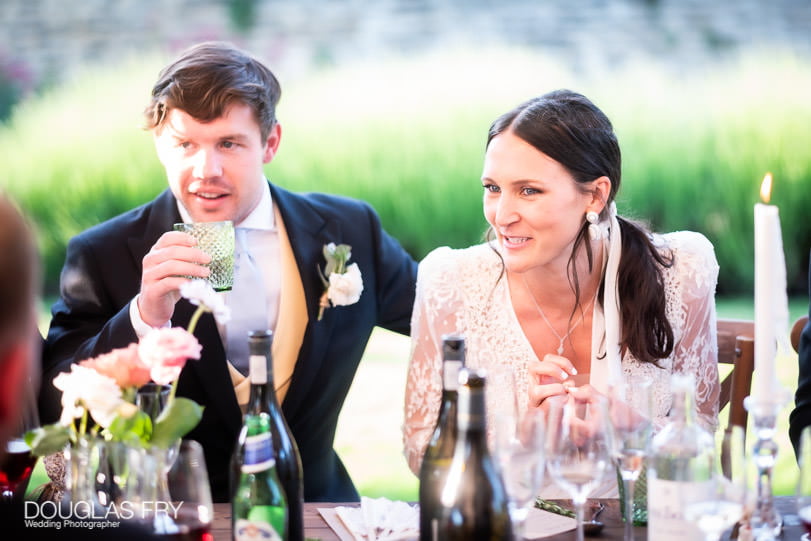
(209, 77)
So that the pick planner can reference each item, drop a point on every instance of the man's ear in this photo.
(272, 142)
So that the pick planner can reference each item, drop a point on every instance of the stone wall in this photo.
(49, 39)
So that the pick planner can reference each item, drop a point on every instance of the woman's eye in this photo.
(529, 191)
(492, 188)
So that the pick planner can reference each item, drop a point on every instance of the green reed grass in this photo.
(408, 135)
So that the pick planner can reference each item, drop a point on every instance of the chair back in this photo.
(736, 347)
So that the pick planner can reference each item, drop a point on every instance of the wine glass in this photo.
(804, 482)
(719, 504)
(519, 450)
(18, 463)
(633, 428)
(190, 512)
(578, 447)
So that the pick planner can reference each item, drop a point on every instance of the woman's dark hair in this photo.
(570, 129)
(207, 78)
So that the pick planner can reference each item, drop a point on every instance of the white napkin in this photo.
(377, 519)
(385, 520)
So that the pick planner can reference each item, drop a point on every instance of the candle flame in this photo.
(766, 188)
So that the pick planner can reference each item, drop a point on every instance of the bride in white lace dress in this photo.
(564, 291)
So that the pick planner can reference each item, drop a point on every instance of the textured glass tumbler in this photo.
(217, 240)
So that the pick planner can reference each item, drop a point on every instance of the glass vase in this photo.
(148, 485)
(81, 460)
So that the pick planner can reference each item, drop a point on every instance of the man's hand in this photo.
(166, 266)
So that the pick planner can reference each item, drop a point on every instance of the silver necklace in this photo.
(570, 330)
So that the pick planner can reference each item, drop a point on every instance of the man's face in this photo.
(215, 169)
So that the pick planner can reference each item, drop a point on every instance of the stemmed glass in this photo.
(721, 502)
(578, 449)
(804, 483)
(519, 450)
(192, 509)
(633, 428)
(18, 463)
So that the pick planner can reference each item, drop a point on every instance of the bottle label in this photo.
(254, 530)
(258, 366)
(450, 374)
(666, 520)
(258, 453)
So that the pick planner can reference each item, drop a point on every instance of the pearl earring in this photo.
(594, 230)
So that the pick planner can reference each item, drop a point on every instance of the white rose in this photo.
(345, 289)
(200, 292)
(83, 387)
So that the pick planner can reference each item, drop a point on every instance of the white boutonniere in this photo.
(342, 284)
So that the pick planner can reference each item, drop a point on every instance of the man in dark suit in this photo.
(801, 415)
(212, 115)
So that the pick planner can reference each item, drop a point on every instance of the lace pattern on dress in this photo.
(464, 291)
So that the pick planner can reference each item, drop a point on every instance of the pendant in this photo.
(560, 348)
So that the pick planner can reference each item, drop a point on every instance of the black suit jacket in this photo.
(102, 274)
(801, 415)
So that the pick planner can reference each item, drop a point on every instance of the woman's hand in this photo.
(549, 378)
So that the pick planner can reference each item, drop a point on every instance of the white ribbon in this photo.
(612, 249)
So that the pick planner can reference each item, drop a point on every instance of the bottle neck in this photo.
(450, 374)
(471, 411)
(262, 394)
(683, 407)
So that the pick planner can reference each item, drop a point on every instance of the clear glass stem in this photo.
(518, 515)
(579, 510)
(629, 509)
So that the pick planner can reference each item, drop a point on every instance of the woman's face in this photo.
(532, 204)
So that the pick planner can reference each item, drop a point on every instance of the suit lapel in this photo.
(307, 232)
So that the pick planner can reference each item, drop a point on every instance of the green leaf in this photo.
(177, 419)
(136, 428)
(48, 439)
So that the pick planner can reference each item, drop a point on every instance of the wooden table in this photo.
(316, 528)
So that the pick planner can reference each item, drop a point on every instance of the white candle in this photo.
(768, 244)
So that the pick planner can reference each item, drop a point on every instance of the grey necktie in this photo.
(248, 298)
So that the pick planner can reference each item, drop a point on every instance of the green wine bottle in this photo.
(285, 450)
(437, 457)
(474, 500)
(259, 507)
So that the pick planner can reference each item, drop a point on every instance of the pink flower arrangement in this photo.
(165, 352)
(124, 365)
(104, 387)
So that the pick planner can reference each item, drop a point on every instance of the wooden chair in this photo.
(796, 330)
(736, 347)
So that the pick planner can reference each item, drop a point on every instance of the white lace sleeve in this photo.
(696, 350)
(437, 309)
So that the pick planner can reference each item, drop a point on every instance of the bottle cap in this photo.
(453, 347)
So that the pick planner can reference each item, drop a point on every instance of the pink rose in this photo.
(165, 351)
(123, 365)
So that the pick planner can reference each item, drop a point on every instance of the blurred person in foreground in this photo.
(801, 414)
(212, 115)
(20, 343)
(565, 293)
